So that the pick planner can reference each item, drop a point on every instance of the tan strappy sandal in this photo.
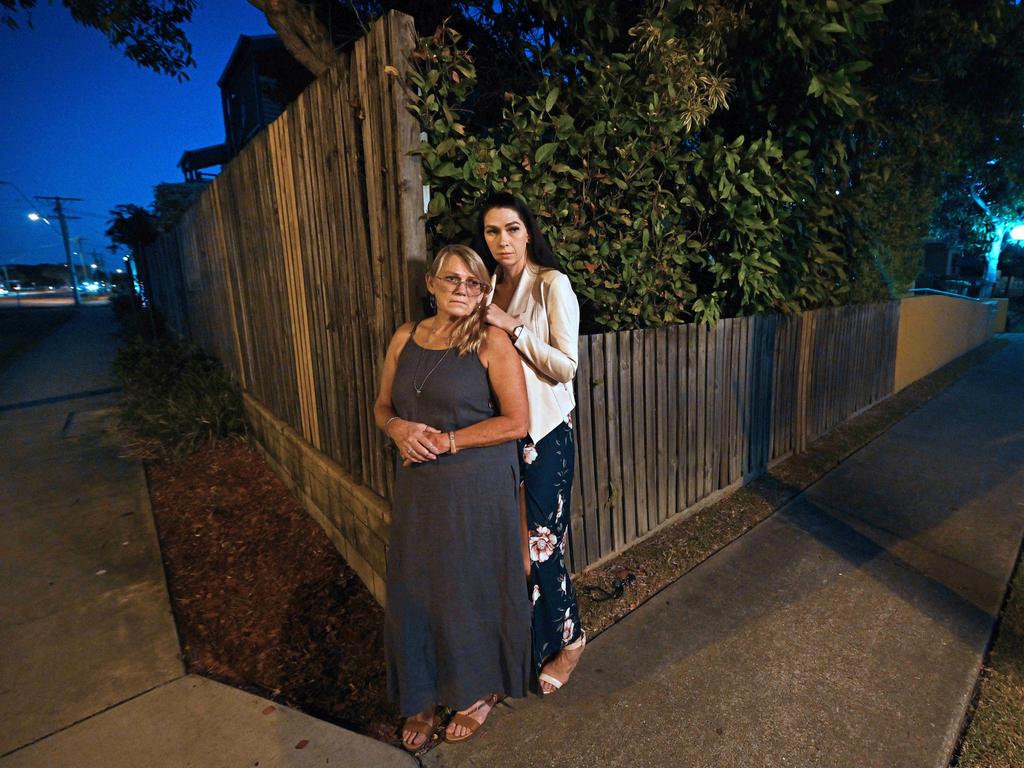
(468, 722)
(420, 727)
(553, 681)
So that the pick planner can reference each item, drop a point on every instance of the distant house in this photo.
(261, 78)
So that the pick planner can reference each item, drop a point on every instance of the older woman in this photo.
(535, 305)
(453, 400)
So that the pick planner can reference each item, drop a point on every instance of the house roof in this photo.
(204, 157)
(247, 44)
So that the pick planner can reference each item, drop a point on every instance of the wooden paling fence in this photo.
(296, 265)
(667, 417)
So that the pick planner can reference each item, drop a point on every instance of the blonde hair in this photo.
(469, 331)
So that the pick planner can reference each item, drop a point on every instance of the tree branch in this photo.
(976, 196)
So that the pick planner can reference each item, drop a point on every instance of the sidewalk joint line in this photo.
(92, 715)
(58, 399)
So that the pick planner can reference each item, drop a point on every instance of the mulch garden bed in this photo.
(262, 599)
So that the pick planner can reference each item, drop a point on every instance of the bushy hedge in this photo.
(660, 204)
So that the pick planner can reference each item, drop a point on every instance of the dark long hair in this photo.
(539, 253)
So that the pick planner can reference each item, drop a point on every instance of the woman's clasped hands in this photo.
(417, 442)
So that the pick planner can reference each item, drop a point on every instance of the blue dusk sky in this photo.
(81, 120)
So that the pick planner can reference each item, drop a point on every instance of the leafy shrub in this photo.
(663, 201)
(175, 398)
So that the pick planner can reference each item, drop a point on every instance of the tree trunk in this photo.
(996, 248)
(301, 32)
(992, 263)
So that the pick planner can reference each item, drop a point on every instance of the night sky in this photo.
(81, 120)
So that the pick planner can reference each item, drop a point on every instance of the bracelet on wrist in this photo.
(388, 424)
(451, 442)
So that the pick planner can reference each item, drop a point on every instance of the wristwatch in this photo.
(515, 333)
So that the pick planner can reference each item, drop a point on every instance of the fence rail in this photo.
(667, 417)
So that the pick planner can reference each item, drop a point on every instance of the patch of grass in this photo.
(21, 328)
(995, 736)
(176, 399)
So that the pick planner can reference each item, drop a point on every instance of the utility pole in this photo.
(59, 210)
(97, 259)
(79, 244)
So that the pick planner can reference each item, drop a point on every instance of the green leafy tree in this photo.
(948, 85)
(148, 32)
(687, 169)
(134, 227)
(798, 69)
(602, 161)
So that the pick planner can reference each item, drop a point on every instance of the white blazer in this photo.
(548, 345)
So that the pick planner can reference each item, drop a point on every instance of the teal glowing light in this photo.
(1017, 233)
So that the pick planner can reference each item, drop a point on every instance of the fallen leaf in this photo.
(302, 744)
(269, 709)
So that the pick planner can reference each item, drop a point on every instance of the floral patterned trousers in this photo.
(547, 469)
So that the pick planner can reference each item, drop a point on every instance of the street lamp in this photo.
(63, 234)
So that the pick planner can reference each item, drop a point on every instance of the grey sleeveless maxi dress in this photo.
(458, 614)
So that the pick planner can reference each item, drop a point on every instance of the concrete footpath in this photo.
(845, 631)
(90, 672)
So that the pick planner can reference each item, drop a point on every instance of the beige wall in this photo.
(937, 329)
(1002, 310)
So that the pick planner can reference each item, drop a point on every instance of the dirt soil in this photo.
(263, 601)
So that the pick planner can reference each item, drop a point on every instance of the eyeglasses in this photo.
(473, 287)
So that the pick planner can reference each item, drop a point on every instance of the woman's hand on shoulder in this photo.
(499, 318)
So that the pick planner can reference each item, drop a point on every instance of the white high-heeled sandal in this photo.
(554, 682)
